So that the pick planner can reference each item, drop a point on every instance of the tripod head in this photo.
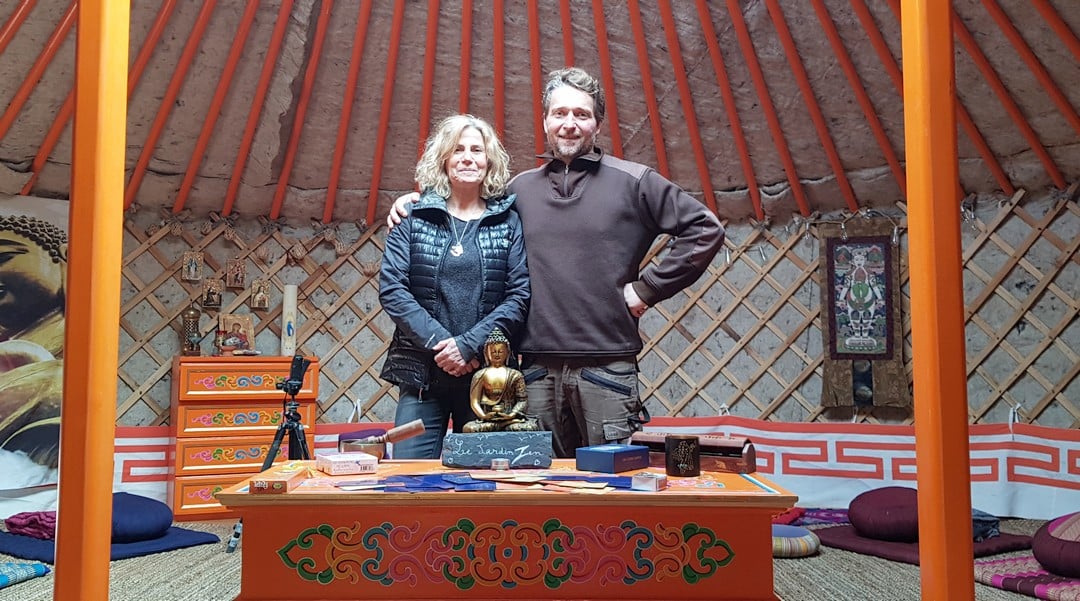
(292, 385)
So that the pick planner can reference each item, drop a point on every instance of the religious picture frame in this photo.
(211, 293)
(235, 275)
(260, 294)
(237, 332)
(860, 314)
(191, 266)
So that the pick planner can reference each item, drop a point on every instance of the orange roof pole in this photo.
(724, 83)
(1054, 20)
(52, 45)
(92, 339)
(861, 96)
(355, 58)
(60, 123)
(972, 131)
(937, 303)
(272, 52)
(386, 106)
(608, 77)
(537, 78)
(212, 113)
(1037, 69)
(466, 58)
(498, 56)
(648, 88)
(431, 42)
(310, 71)
(791, 52)
(567, 33)
(15, 20)
(742, 33)
(687, 102)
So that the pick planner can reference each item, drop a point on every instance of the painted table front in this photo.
(702, 538)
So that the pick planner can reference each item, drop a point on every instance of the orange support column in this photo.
(88, 414)
(937, 303)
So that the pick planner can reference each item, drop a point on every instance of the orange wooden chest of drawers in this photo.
(224, 416)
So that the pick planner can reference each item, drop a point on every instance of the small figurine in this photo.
(497, 394)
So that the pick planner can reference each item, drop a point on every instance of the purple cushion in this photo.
(890, 513)
(1057, 545)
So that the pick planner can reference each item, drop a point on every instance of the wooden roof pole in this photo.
(608, 77)
(937, 303)
(648, 89)
(84, 527)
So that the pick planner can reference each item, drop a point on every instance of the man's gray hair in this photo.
(578, 79)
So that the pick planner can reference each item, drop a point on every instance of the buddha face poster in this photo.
(33, 272)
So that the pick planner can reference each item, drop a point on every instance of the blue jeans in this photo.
(584, 401)
(435, 407)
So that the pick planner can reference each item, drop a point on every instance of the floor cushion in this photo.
(1057, 545)
(847, 538)
(890, 513)
(793, 541)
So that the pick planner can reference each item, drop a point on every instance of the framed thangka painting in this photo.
(860, 314)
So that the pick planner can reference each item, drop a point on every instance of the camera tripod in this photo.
(290, 425)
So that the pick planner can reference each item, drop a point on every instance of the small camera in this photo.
(292, 385)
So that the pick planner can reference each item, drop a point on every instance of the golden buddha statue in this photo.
(497, 393)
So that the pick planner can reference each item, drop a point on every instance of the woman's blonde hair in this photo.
(431, 170)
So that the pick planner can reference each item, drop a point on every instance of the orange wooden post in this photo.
(937, 304)
(92, 335)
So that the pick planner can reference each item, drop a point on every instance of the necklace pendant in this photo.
(457, 250)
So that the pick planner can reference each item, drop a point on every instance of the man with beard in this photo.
(589, 219)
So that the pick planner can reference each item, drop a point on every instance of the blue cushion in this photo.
(136, 518)
(793, 541)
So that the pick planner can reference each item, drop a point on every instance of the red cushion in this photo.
(890, 513)
(1057, 545)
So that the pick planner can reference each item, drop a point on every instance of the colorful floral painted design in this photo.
(230, 419)
(507, 554)
(238, 382)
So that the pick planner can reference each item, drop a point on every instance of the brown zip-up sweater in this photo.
(587, 227)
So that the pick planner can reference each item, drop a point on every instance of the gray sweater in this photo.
(588, 226)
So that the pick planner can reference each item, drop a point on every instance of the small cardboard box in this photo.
(340, 464)
(279, 479)
(650, 481)
(612, 458)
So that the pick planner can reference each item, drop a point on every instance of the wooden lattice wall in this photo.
(744, 339)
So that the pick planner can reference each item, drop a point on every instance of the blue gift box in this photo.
(612, 458)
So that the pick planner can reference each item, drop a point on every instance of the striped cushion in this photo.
(793, 541)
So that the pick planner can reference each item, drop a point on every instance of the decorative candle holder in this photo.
(683, 455)
(191, 336)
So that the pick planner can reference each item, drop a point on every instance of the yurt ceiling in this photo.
(317, 109)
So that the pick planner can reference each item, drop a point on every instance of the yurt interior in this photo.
(801, 323)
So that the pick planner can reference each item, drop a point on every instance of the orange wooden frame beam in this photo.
(937, 304)
(84, 527)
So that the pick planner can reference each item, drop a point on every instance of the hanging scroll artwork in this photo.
(861, 316)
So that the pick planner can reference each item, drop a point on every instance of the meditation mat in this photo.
(140, 526)
(12, 572)
(1025, 575)
(848, 539)
(28, 547)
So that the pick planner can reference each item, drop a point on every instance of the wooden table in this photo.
(701, 538)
